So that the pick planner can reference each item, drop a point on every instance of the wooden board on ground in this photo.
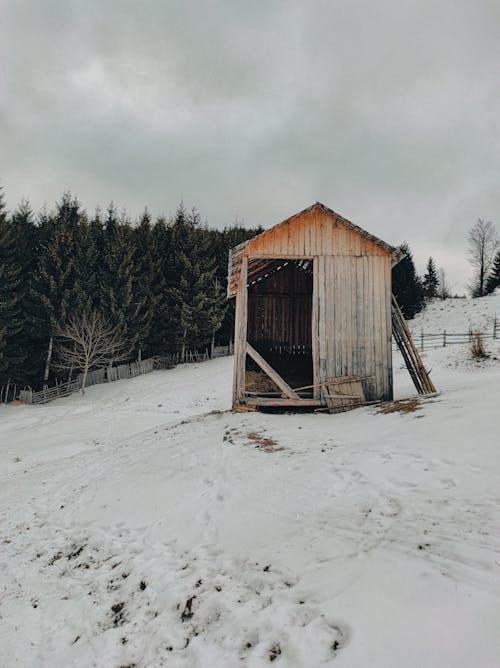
(343, 393)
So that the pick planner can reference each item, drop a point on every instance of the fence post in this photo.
(422, 339)
(495, 327)
(444, 339)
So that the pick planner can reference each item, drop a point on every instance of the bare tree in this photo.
(87, 340)
(483, 242)
(443, 290)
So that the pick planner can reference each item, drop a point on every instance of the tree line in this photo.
(159, 286)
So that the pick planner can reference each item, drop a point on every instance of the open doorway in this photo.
(279, 327)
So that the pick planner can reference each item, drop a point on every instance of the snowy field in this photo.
(146, 525)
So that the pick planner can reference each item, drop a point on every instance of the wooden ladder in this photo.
(413, 361)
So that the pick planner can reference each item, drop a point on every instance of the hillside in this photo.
(458, 315)
(146, 525)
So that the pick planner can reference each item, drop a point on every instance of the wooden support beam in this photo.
(297, 403)
(240, 335)
(315, 331)
(260, 267)
(268, 369)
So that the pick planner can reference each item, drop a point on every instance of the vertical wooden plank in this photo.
(328, 236)
(322, 319)
(350, 342)
(360, 319)
(330, 313)
(237, 345)
(242, 332)
(345, 298)
(315, 329)
(346, 320)
(385, 341)
(383, 324)
(285, 240)
(338, 314)
(314, 227)
(368, 325)
(379, 327)
(354, 316)
(307, 225)
(336, 369)
(326, 244)
(388, 292)
(374, 335)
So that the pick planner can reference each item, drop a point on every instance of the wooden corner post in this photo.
(240, 334)
(315, 330)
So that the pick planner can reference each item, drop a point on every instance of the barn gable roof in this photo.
(262, 244)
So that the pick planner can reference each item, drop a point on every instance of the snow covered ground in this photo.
(458, 316)
(146, 525)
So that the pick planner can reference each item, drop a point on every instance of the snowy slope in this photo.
(144, 524)
(458, 315)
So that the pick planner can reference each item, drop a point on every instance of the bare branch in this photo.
(87, 340)
(483, 242)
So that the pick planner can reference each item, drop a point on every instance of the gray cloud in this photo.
(387, 112)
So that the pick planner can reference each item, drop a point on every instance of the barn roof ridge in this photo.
(319, 205)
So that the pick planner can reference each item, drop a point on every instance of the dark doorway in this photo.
(279, 323)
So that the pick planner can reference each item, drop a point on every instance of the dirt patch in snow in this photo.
(253, 438)
(164, 606)
(400, 406)
(264, 443)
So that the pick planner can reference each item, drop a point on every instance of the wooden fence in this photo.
(427, 340)
(108, 374)
(49, 393)
(223, 351)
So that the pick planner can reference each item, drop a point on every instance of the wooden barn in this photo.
(313, 323)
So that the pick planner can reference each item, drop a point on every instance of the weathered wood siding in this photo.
(314, 232)
(354, 320)
(350, 313)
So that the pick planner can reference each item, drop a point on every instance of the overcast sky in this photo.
(388, 111)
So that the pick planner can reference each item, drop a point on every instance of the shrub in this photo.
(477, 347)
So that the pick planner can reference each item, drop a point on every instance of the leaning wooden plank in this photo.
(268, 369)
(339, 380)
(412, 358)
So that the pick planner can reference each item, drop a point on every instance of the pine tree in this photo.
(431, 280)
(217, 309)
(493, 281)
(221, 242)
(195, 297)
(406, 285)
(11, 320)
(160, 338)
(58, 279)
(28, 341)
(146, 271)
(116, 277)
